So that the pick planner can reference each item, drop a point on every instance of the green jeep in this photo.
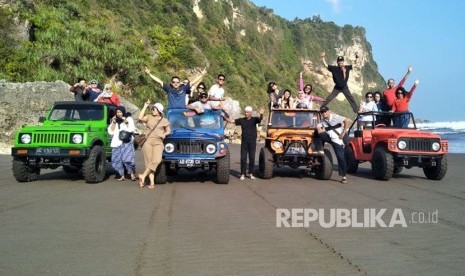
(73, 135)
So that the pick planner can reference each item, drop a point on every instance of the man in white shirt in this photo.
(216, 92)
(332, 129)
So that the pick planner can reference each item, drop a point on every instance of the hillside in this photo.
(66, 40)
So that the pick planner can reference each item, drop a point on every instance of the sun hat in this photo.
(159, 107)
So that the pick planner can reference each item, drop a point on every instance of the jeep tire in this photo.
(94, 167)
(160, 174)
(351, 162)
(23, 172)
(324, 170)
(437, 172)
(222, 170)
(265, 164)
(382, 164)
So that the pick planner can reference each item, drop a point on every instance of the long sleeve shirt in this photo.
(401, 105)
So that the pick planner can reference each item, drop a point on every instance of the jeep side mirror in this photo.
(41, 119)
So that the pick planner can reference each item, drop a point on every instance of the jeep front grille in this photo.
(420, 144)
(190, 147)
(50, 138)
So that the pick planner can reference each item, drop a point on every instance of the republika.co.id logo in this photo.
(341, 217)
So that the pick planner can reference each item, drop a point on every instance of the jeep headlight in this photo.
(277, 144)
(210, 148)
(25, 138)
(76, 138)
(436, 146)
(402, 145)
(169, 147)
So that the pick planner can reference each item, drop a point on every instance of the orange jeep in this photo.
(289, 143)
(389, 149)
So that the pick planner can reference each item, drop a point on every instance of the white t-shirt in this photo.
(115, 141)
(202, 106)
(333, 120)
(371, 106)
(217, 92)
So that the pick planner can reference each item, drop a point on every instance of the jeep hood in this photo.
(194, 135)
(397, 133)
(62, 127)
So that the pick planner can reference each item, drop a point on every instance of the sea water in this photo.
(453, 132)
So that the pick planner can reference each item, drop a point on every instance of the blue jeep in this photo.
(196, 141)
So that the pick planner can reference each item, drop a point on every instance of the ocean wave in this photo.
(443, 127)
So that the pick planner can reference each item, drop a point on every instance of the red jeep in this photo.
(390, 148)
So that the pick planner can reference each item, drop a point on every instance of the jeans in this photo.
(319, 141)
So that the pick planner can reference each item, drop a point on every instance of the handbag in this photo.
(142, 138)
(125, 136)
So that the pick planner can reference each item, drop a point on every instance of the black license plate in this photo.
(48, 151)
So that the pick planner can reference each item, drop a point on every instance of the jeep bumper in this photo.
(51, 157)
(417, 160)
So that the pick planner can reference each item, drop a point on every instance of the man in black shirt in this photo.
(340, 77)
(248, 139)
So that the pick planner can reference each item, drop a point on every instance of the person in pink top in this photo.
(308, 89)
(401, 105)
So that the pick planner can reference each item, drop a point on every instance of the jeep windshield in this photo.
(210, 120)
(293, 119)
(76, 112)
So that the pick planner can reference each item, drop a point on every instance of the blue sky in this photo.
(427, 35)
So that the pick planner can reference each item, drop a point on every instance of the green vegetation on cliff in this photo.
(115, 39)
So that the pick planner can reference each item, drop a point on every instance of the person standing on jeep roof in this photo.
(158, 127)
(122, 152)
(176, 91)
(332, 129)
(248, 139)
(340, 77)
(79, 90)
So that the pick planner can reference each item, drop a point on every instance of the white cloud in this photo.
(335, 4)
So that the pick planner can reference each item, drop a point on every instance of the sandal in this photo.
(152, 186)
(344, 180)
(141, 181)
(121, 178)
(133, 177)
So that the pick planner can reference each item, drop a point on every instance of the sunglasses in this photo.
(221, 79)
(201, 87)
(175, 82)
(369, 97)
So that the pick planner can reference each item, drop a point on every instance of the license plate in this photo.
(189, 162)
(296, 150)
(48, 151)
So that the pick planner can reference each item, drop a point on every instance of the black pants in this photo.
(346, 93)
(248, 147)
(319, 141)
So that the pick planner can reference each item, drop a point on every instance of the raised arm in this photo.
(157, 80)
(323, 54)
(409, 70)
(142, 116)
(301, 82)
(410, 93)
(197, 79)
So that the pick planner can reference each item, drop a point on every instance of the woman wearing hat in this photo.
(157, 128)
(122, 154)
